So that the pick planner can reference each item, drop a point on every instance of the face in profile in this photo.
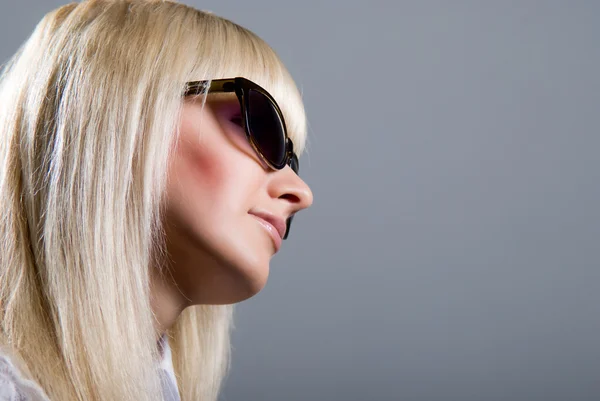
(219, 194)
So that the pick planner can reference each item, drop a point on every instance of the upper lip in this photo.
(275, 221)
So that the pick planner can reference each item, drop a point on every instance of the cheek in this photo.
(198, 165)
(212, 175)
(207, 168)
(199, 187)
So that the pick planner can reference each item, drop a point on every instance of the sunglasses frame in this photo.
(241, 87)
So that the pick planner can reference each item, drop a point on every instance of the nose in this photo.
(288, 186)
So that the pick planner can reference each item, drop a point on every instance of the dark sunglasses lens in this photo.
(266, 128)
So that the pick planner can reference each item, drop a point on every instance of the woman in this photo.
(143, 190)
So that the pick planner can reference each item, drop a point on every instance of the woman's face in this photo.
(217, 186)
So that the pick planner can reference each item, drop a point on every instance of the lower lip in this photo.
(271, 230)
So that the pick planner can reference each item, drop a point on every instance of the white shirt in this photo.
(14, 387)
(168, 380)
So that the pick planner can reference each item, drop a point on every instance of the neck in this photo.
(167, 301)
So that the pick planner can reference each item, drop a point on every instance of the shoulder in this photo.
(14, 386)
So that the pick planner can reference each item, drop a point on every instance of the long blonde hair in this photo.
(89, 109)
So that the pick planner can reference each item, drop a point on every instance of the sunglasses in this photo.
(262, 120)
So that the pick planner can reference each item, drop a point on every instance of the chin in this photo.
(230, 283)
(248, 283)
(247, 267)
(224, 270)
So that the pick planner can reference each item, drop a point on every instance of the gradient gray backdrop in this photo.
(452, 252)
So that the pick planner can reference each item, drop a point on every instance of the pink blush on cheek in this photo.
(201, 158)
(201, 168)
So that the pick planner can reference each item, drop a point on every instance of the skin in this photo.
(218, 252)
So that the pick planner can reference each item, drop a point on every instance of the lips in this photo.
(273, 220)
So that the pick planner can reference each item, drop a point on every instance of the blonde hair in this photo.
(89, 108)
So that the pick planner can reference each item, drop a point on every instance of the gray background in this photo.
(452, 252)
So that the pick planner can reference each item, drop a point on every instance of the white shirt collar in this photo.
(167, 361)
